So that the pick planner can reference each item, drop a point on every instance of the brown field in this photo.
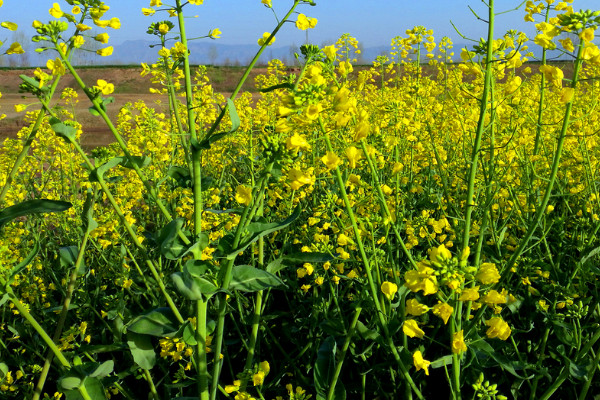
(129, 87)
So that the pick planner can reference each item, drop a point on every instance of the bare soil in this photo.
(130, 87)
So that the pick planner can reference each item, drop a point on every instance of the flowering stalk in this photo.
(67, 302)
(541, 209)
(365, 259)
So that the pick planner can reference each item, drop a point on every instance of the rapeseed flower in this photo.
(411, 328)
(497, 328)
(458, 342)
(389, 289)
(420, 363)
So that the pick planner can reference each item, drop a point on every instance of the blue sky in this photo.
(372, 22)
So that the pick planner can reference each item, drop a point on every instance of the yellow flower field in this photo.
(419, 229)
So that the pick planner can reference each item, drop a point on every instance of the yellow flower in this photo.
(443, 310)
(567, 44)
(493, 297)
(389, 289)
(163, 28)
(303, 22)
(587, 35)
(263, 40)
(76, 10)
(78, 41)
(83, 27)
(102, 38)
(56, 66)
(15, 48)
(20, 107)
(243, 195)
(233, 388)
(267, 3)
(313, 110)
(497, 329)
(258, 378)
(11, 26)
(488, 274)
(155, 3)
(215, 33)
(420, 363)
(354, 155)
(297, 142)
(196, 2)
(330, 52)
(361, 130)
(469, 294)
(104, 87)
(413, 307)
(115, 23)
(411, 328)
(440, 254)
(107, 51)
(458, 343)
(331, 160)
(298, 178)
(148, 11)
(55, 11)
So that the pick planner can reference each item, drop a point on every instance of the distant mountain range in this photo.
(203, 53)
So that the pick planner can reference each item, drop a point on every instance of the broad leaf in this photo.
(141, 349)
(160, 322)
(249, 279)
(140, 161)
(324, 371)
(260, 229)
(170, 244)
(26, 261)
(32, 207)
(68, 133)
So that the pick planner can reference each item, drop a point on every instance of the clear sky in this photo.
(372, 22)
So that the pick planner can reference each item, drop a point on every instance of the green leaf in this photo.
(68, 257)
(160, 322)
(70, 381)
(192, 282)
(235, 124)
(141, 349)
(103, 370)
(26, 261)
(297, 258)
(306, 257)
(189, 335)
(285, 85)
(192, 288)
(442, 361)
(260, 229)
(139, 161)
(249, 279)
(324, 371)
(366, 333)
(93, 387)
(88, 222)
(233, 115)
(66, 132)
(32, 207)
(170, 244)
(580, 370)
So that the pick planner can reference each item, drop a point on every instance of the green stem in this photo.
(541, 209)
(365, 259)
(338, 367)
(201, 316)
(67, 302)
